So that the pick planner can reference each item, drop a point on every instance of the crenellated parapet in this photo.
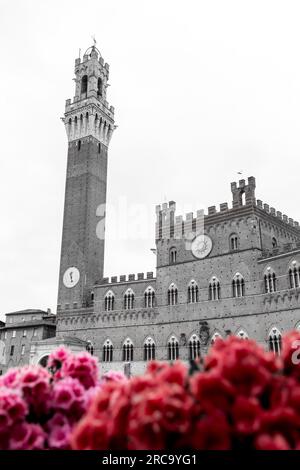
(276, 214)
(127, 278)
(169, 225)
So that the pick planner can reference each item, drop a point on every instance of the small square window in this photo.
(14, 334)
(24, 333)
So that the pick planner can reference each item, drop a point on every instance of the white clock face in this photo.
(201, 246)
(71, 277)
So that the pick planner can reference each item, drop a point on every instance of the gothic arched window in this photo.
(90, 347)
(194, 347)
(173, 255)
(109, 301)
(127, 350)
(275, 341)
(270, 281)
(274, 242)
(84, 84)
(193, 292)
(149, 297)
(129, 299)
(149, 349)
(173, 349)
(238, 286)
(294, 275)
(172, 295)
(215, 337)
(214, 289)
(107, 353)
(233, 242)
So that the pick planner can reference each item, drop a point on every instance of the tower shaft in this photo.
(89, 123)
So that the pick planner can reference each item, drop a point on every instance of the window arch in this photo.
(194, 347)
(79, 145)
(275, 341)
(214, 337)
(149, 297)
(129, 299)
(173, 255)
(172, 294)
(149, 349)
(233, 241)
(274, 242)
(109, 301)
(127, 350)
(270, 280)
(238, 286)
(84, 84)
(99, 87)
(90, 347)
(173, 348)
(193, 292)
(294, 275)
(107, 352)
(214, 290)
(242, 334)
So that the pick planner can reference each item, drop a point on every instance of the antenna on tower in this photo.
(94, 40)
(79, 53)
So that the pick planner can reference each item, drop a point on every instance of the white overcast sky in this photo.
(201, 89)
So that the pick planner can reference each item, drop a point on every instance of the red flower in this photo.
(159, 416)
(246, 415)
(267, 442)
(211, 432)
(212, 391)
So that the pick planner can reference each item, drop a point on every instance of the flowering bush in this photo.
(39, 407)
(240, 397)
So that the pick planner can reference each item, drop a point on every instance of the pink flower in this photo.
(82, 367)
(69, 396)
(13, 408)
(11, 379)
(35, 387)
(59, 432)
(113, 376)
(26, 436)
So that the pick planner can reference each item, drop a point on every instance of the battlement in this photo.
(90, 54)
(127, 278)
(277, 214)
(168, 225)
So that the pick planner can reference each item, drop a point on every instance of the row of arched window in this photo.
(214, 289)
(129, 298)
(149, 347)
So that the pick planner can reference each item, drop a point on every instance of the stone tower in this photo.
(89, 122)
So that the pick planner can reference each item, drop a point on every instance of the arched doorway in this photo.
(43, 361)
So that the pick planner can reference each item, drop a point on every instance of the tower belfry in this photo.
(89, 123)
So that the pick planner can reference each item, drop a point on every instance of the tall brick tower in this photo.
(89, 122)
